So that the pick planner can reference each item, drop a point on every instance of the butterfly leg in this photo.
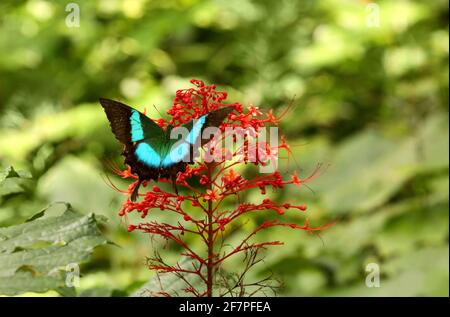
(174, 184)
(135, 192)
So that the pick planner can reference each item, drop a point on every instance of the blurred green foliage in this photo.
(371, 104)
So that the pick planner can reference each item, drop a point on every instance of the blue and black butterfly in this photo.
(149, 150)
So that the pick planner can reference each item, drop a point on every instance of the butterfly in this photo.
(149, 150)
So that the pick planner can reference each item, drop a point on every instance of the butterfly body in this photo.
(153, 152)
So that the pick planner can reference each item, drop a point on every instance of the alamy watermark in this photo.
(231, 144)
(373, 15)
(373, 276)
(72, 275)
(73, 18)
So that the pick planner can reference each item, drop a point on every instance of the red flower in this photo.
(212, 195)
(232, 180)
(204, 180)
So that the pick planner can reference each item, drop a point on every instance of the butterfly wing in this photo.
(130, 125)
(181, 150)
(214, 119)
(142, 138)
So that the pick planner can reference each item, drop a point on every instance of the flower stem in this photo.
(210, 241)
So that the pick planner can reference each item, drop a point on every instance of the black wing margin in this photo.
(215, 119)
(119, 119)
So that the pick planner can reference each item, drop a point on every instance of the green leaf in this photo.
(12, 181)
(34, 256)
(8, 173)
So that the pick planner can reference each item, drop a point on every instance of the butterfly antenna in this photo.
(158, 111)
(135, 192)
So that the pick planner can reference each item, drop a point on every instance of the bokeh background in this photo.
(370, 104)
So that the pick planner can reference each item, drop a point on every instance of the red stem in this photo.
(210, 241)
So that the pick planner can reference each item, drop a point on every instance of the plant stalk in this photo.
(210, 239)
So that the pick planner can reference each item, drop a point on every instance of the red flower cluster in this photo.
(218, 181)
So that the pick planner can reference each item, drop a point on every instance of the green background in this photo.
(370, 104)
